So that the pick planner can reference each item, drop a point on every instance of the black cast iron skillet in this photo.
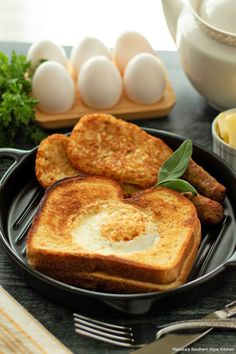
(20, 195)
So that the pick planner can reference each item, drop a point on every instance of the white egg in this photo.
(87, 48)
(46, 49)
(53, 86)
(144, 79)
(127, 46)
(99, 83)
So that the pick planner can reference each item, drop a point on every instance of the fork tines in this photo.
(106, 332)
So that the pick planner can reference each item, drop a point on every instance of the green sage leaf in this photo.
(178, 185)
(175, 166)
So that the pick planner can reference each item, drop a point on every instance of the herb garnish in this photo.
(17, 107)
(174, 167)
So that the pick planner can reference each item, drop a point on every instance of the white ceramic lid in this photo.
(220, 14)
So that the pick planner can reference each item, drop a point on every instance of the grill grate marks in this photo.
(24, 231)
(215, 245)
(209, 244)
(202, 253)
(23, 251)
(23, 210)
(31, 205)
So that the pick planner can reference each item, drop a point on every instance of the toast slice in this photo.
(85, 233)
(120, 284)
(102, 145)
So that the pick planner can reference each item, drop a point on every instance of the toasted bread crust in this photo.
(50, 244)
(52, 163)
(108, 283)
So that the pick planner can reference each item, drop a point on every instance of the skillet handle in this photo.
(13, 154)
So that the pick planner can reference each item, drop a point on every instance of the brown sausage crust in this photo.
(209, 211)
(204, 182)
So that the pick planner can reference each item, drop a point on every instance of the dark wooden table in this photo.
(190, 118)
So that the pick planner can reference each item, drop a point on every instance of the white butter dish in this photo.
(220, 147)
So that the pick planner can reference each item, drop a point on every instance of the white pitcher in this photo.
(205, 35)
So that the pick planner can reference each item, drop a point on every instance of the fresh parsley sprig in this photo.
(17, 107)
(174, 167)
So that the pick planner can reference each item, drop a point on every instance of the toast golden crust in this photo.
(108, 283)
(56, 241)
(52, 163)
(102, 145)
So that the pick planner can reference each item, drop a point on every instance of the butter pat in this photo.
(231, 125)
(223, 127)
(227, 127)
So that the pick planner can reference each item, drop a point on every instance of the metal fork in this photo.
(138, 335)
